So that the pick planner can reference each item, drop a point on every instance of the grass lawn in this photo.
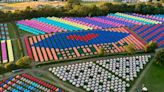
(24, 33)
(154, 79)
(18, 53)
(13, 32)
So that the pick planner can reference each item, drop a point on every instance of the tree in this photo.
(159, 57)
(75, 2)
(104, 8)
(10, 66)
(68, 6)
(85, 10)
(94, 10)
(151, 46)
(24, 62)
(80, 10)
(101, 52)
(71, 3)
(138, 8)
(130, 48)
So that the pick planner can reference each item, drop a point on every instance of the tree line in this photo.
(76, 9)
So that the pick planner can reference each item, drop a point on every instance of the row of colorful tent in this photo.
(27, 83)
(53, 24)
(70, 45)
(6, 51)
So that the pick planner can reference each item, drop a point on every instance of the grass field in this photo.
(154, 79)
(24, 33)
(13, 32)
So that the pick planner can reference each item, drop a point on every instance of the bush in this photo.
(76, 2)
(71, 3)
(24, 62)
(101, 52)
(151, 46)
(159, 57)
(10, 66)
(130, 49)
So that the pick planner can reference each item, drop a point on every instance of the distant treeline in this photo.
(79, 10)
